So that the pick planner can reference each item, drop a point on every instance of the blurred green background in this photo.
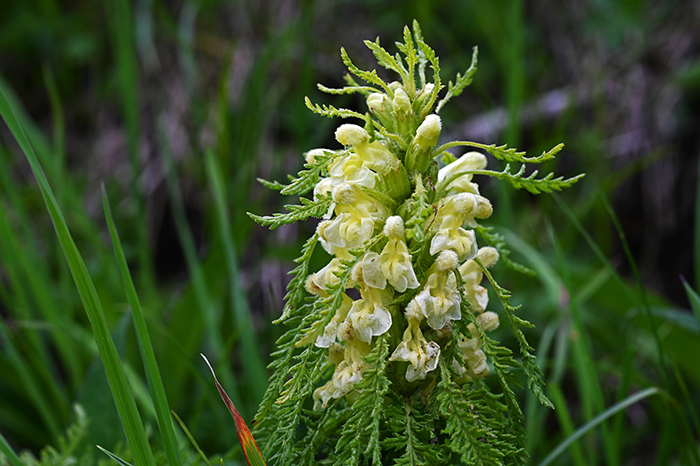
(132, 95)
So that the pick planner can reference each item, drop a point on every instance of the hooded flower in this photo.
(454, 212)
(414, 348)
(448, 176)
(439, 301)
(369, 315)
(474, 356)
(356, 214)
(395, 261)
(472, 275)
(347, 373)
(374, 154)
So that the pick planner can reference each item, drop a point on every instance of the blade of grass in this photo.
(581, 431)
(567, 425)
(693, 298)
(122, 29)
(208, 308)
(586, 373)
(653, 326)
(155, 382)
(253, 365)
(696, 245)
(120, 461)
(191, 439)
(30, 283)
(9, 453)
(124, 400)
(250, 448)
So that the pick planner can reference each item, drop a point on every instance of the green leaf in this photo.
(622, 405)
(370, 77)
(250, 448)
(365, 90)
(112, 456)
(155, 382)
(530, 183)
(296, 213)
(385, 59)
(503, 152)
(693, 298)
(453, 90)
(330, 111)
(121, 391)
(9, 453)
(308, 178)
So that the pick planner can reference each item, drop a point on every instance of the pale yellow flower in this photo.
(394, 260)
(356, 214)
(462, 184)
(352, 169)
(428, 133)
(347, 373)
(374, 154)
(472, 275)
(439, 301)
(474, 356)
(461, 209)
(461, 241)
(368, 316)
(415, 349)
(330, 332)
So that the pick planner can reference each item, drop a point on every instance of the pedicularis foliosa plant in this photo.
(398, 373)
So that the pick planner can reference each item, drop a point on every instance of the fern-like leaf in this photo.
(497, 241)
(352, 89)
(308, 178)
(360, 436)
(531, 183)
(469, 433)
(308, 208)
(385, 59)
(533, 373)
(461, 82)
(330, 111)
(504, 152)
(296, 292)
(370, 77)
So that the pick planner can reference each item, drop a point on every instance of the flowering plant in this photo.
(395, 375)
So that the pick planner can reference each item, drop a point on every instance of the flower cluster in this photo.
(369, 183)
(397, 318)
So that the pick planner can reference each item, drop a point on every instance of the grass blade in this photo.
(155, 382)
(693, 298)
(622, 405)
(253, 366)
(121, 392)
(189, 435)
(250, 448)
(9, 453)
(120, 461)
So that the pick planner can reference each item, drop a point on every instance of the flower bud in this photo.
(401, 104)
(428, 132)
(488, 321)
(376, 101)
(423, 97)
(313, 154)
(393, 228)
(447, 260)
(488, 256)
(351, 135)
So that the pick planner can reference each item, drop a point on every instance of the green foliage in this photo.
(387, 415)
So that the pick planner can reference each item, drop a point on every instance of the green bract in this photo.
(395, 376)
